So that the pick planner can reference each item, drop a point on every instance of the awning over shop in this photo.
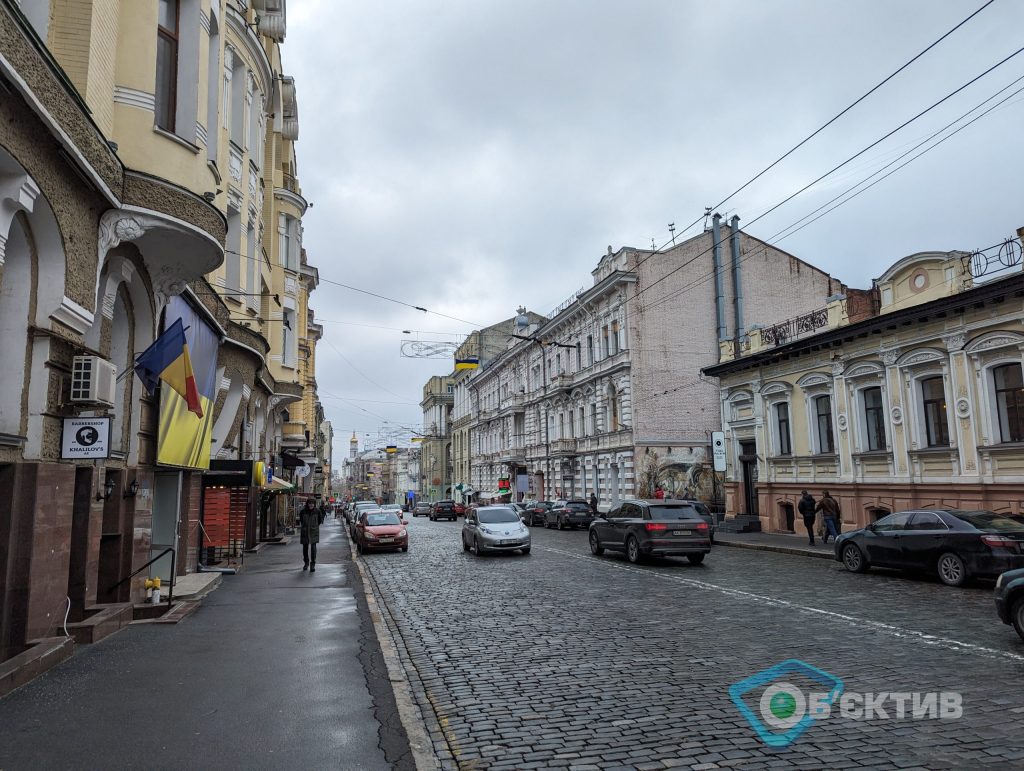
(277, 485)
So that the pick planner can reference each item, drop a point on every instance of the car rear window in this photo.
(990, 520)
(578, 505)
(673, 511)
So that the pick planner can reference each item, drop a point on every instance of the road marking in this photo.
(890, 629)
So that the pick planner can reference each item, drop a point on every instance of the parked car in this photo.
(535, 512)
(494, 528)
(358, 515)
(1010, 599)
(705, 514)
(571, 514)
(955, 544)
(662, 528)
(443, 510)
(460, 508)
(381, 530)
(395, 507)
(353, 513)
(421, 510)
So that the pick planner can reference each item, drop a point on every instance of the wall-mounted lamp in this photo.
(108, 490)
(133, 489)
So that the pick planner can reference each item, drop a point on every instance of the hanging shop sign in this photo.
(85, 438)
(718, 449)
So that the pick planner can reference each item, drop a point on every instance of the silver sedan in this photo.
(495, 528)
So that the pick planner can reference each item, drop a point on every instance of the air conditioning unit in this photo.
(93, 380)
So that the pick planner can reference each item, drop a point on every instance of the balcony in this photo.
(795, 328)
(514, 403)
(615, 440)
(561, 382)
(515, 453)
(563, 447)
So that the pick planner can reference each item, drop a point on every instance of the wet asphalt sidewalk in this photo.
(278, 668)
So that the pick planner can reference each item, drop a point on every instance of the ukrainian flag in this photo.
(186, 414)
(470, 363)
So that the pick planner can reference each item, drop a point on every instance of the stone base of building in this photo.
(862, 503)
(39, 656)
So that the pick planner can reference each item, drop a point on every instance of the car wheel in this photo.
(479, 551)
(633, 550)
(561, 524)
(952, 570)
(595, 544)
(695, 559)
(1017, 616)
(465, 545)
(853, 559)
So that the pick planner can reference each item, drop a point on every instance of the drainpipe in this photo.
(716, 251)
(737, 283)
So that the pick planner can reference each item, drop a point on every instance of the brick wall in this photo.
(673, 326)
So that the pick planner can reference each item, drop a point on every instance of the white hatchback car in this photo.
(494, 528)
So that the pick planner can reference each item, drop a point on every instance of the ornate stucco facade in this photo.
(917, 403)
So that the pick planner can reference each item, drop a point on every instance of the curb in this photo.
(409, 712)
(796, 550)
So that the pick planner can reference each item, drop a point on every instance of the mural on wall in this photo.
(680, 472)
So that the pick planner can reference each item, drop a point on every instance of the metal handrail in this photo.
(170, 584)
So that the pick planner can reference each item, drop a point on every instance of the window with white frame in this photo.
(615, 337)
(250, 260)
(873, 408)
(289, 241)
(823, 424)
(590, 350)
(933, 403)
(783, 437)
(1008, 388)
(288, 333)
(167, 38)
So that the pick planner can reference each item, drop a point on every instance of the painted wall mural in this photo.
(680, 472)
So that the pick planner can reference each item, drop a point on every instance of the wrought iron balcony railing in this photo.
(795, 328)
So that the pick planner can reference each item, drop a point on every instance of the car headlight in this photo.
(402, 533)
(485, 531)
(369, 535)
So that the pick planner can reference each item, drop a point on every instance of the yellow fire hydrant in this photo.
(153, 590)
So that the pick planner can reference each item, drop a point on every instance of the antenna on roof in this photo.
(707, 213)
(672, 230)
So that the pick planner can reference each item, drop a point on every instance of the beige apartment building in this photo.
(908, 395)
(145, 147)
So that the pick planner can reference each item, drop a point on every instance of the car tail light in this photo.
(702, 527)
(1001, 542)
(655, 526)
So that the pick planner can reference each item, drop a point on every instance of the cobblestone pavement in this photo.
(563, 659)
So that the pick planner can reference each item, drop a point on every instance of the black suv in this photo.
(659, 528)
(571, 514)
(443, 510)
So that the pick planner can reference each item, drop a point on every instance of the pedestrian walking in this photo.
(593, 504)
(310, 519)
(807, 511)
(829, 508)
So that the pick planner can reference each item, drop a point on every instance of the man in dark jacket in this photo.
(593, 504)
(829, 508)
(806, 508)
(310, 519)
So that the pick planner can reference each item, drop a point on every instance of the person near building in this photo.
(829, 508)
(659, 493)
(807, 511)
(310, 519)
(593, 503)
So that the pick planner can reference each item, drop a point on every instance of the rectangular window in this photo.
(166, 63)
(583, 421)
(874, 418)
(604, 342)
(823, 412)
(590, 350)
(288, 337)
(1009, 384)
(233, 258)
(782, 426)
(251, 261)
(615, 337)
(579, 357)
(936, 427)
(593, 419)
(558, 364)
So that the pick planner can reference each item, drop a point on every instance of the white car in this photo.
(494, 528)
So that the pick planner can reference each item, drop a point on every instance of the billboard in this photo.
(184, 438)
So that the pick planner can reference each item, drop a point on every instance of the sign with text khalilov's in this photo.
(85, 438)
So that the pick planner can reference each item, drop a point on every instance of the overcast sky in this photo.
(471, 156)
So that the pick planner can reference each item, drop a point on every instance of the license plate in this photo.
(508, 543)
(681, 532)
(385, 540)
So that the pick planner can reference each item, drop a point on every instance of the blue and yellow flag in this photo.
(471, 362)
(168, 359)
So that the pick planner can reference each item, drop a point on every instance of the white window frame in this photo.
(994, 429)
(813, 386)
(773, 394)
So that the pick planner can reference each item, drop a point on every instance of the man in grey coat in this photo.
(310, 519)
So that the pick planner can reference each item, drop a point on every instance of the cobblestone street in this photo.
(563, 659)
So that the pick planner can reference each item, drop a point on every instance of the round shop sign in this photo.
(87, 436)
